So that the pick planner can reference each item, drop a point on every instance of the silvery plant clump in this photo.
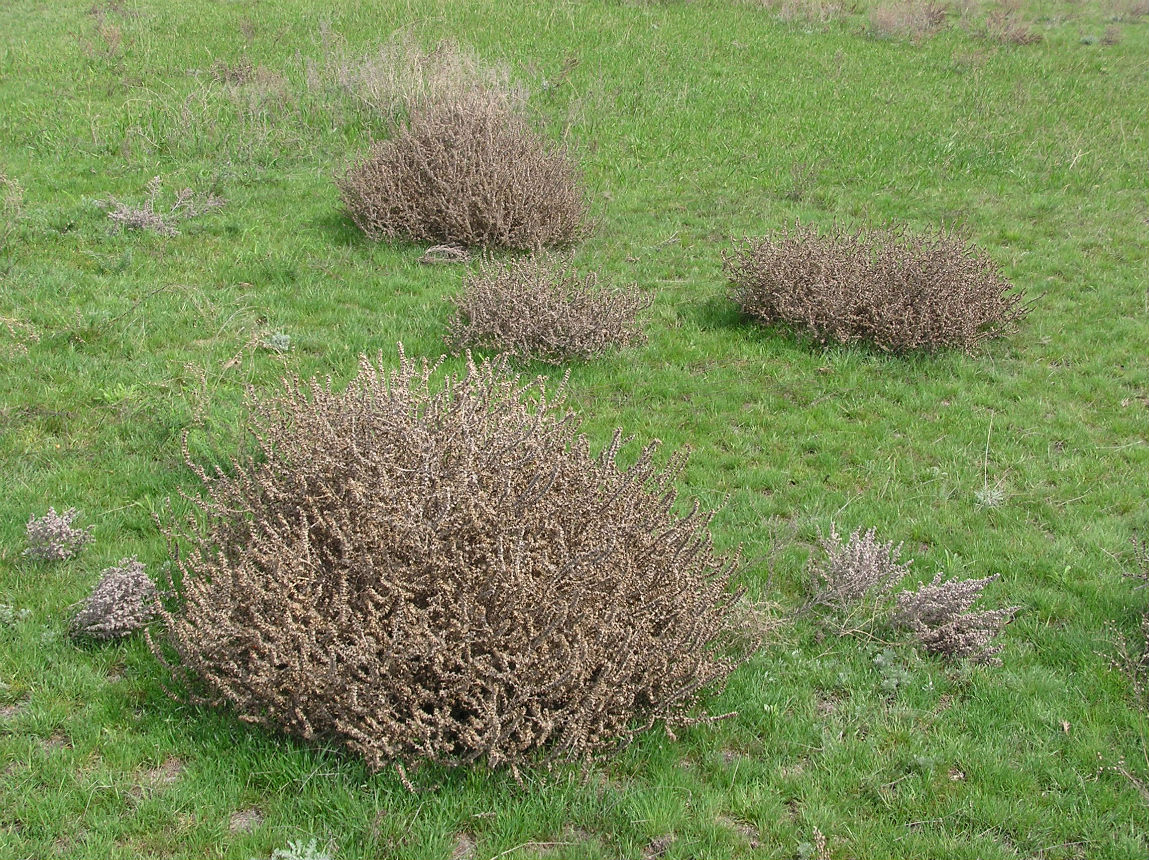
(52, 537)
(123, 602)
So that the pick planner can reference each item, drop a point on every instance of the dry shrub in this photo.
(890, 288)
(471, 172)
(123, 601)
(16, 335)
(147, 217)
(401, 75)
(861, 569)
(1133, 657)
(1004, 25)
(938, 616)
(1128, 10)
(857, 576)
(807, 12)
(11, 207)
(52, 537)
(447, 574)
(540, 308)
(906, 19)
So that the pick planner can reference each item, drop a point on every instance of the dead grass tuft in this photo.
(402, 76)
(906, 19)
(1007, 27)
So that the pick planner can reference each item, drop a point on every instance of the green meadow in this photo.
(695, 124)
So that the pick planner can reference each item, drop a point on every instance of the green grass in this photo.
(688, 119)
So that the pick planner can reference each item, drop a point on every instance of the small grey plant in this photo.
(939, 617)
(123, 602)
(52, 537)
(278, 342)
(856, 570)
(147, 217)
(10, 615)
(300, 851)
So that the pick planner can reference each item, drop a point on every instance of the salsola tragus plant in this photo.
(53, 538)
(469, 171)
(447, 574)
(123, 601)
(860, 569)
(541, 308)
(859, 575)
(938, 615)
(150, 218)
(888, 287)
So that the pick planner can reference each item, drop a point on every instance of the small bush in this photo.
(1006, 27)
(906, 19)
(52, 538)
(539, 308)
(470, 171)
(892, 289)
(860, 574)
(939, 618)
(447, 575)
(148, 218)
(858, 570)
(11, 207)
(123, 601)
(1133, 658)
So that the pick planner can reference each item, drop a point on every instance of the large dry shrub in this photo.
(447, 574)
(541, 308)
(469, 171)
(896, 290)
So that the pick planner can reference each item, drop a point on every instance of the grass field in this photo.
(696, 123)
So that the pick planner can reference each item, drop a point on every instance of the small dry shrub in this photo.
(147, 217)
(1128, 10)
(540, 308)
(446, 574)
(1004, 25)
(1112, 35)
(15, 336)
(401, 76)
(861, 569)
(855, 579)
(470, 171)
(807, 12)
(11, 207)
(123, 601)
(887, 287)
(938, 616)
(906, 19)
(1133, 658)
(53, 538)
